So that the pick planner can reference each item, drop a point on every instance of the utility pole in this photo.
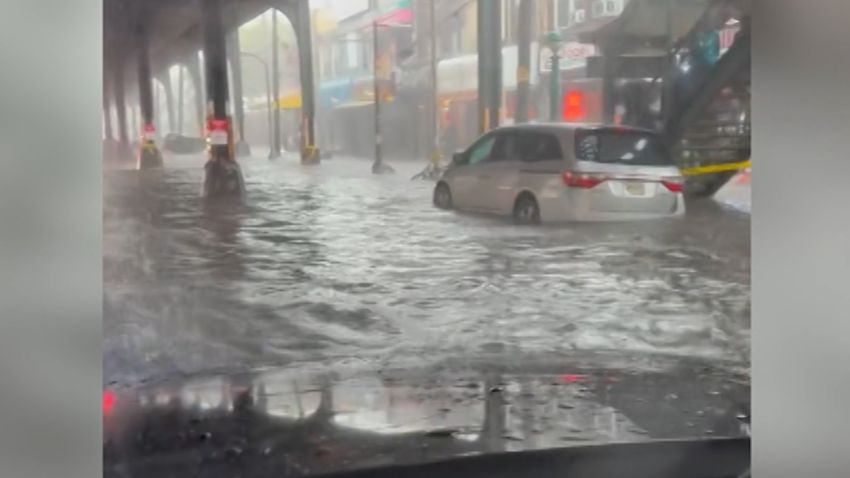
(553, 40)
(377, 165)
(495, 67)
(489, 64)
(435, 129)
(275, 146)
(526, 15)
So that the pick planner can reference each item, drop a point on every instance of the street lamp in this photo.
(268, 96)
(553, 40)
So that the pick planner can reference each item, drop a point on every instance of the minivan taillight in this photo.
(581, 180)
(674, 185)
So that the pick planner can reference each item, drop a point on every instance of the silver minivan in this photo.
(564, 172)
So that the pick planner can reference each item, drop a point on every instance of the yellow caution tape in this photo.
(716, 168)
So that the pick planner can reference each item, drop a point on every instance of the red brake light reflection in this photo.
(572, 378)
(108, 401)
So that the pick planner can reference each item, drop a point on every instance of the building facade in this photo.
(346, 63)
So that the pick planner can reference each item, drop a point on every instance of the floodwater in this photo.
(331, 267)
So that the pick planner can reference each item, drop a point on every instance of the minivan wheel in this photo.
(526, 210)
(442, 196)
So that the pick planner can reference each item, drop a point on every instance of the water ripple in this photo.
(331, 264)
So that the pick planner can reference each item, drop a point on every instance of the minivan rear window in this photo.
(540, 147)
(621, 147)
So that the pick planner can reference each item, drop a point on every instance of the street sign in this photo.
(573, 55)
(217, 131)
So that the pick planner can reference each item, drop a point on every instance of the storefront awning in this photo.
(402, 16)
(646, 20)
(354, 104)
(289, 102)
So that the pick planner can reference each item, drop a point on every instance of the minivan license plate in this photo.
(635, 188)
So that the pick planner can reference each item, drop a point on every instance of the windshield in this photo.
(347, 233)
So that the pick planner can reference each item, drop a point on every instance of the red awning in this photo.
(402, 16)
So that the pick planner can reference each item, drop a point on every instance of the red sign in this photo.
(573, 55)
(148, 132)
(214, 124)
(217, 131)
(577, 51)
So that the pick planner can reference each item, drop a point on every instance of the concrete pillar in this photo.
(489, 64)
(304, 35)
(223, 175)
(235, 60)
(149, 155)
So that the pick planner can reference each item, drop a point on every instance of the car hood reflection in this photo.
(296, 425)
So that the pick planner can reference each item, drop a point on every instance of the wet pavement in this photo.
(331, 267)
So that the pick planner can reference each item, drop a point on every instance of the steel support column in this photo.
(489, 64)
(109, 144)
(148, 155)
(523, 92)
(193, 67)
(299, 16)
(235, 60)
(165, 79)
(118, 89)
(180, 99)
(108, 135)
(223, 175)
(134, 119)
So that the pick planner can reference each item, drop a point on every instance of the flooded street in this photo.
(331, 267)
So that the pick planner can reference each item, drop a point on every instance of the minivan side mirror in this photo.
(458, 158)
